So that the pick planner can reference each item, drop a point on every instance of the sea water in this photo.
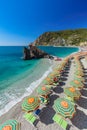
(18, 78)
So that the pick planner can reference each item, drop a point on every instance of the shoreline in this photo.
(17, 113)
(31, 92)
(31, 89)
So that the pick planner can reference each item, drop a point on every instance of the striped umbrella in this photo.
(64, 107)
(48, 81)
(78, 63)
(72, 92)
(55, 73)
(58, 70)
(31, 103)
(77, 84)
(44, 90)
(78, 67)
(79, 73)
(10, 125)
(79, 70)
(79, 78)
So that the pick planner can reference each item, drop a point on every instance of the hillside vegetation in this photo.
(76, 37)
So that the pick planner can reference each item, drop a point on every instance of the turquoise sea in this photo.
(18, 78)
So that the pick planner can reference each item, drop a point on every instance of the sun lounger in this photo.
(30, 117)
(57, 119)
(60, 121)
(64, 124)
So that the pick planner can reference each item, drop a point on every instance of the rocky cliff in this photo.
(63, 38)
(33, 52)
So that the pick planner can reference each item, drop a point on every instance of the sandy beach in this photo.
(45, 122)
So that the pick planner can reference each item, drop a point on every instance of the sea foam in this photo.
(29, 90)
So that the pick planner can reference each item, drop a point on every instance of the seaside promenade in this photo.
(45, 121)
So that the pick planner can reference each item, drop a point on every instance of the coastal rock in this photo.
(34, 52)
(26, 54)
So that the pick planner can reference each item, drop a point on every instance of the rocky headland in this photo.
(75, 37)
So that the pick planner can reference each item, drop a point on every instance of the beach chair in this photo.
(57, 119)
(30, 117)
(60, 121)
(64, 124)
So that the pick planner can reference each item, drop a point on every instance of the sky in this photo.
(22, 21)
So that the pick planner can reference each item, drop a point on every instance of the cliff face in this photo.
(34, 52)
(63, 38)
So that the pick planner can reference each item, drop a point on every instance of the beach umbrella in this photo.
(79, 69)
(10, 125)
(59, 68)
(77, 84)
(31, 103)
(79, 73)
(64, 107)
(48, 80)
(72, 92)
(44, 90)
(79, 78)
(54, 74)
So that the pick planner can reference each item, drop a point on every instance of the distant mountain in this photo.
(77, 37)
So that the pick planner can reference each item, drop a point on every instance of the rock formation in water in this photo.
(34, 52)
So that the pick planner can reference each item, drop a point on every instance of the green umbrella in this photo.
(54, 74)
(64, 107)
(44, 90)
(77, 84)
(48, 81)
(79, 78)
(58, 70)
(79, 67)
(31, 103)
(79, 73)
(10, 125)
(72, 92)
